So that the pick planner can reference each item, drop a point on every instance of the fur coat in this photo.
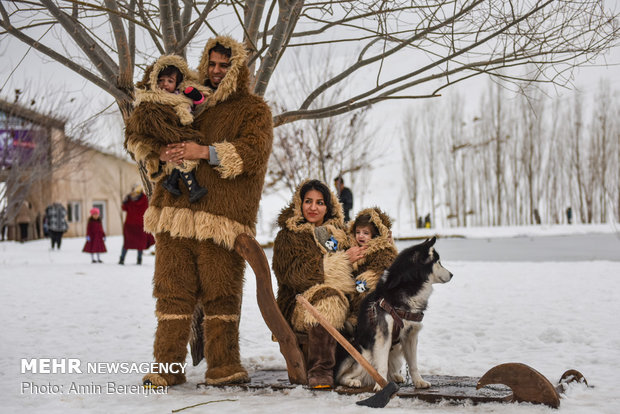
(302, 264)
(238, 124)
(134, 236)
(161, 117)
(379, 255)
(95, 237)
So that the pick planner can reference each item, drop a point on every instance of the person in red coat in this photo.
(95, 236)
(134, 237)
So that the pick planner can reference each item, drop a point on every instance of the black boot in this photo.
(171, 183)
(321, 358)
(196, 192)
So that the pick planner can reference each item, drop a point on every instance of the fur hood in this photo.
(147, 91)
(382, 222)
(237, 79)
(291, 218)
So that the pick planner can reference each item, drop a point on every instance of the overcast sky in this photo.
(45, 80)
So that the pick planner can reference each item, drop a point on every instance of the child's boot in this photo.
(171, 183)
(196, 192)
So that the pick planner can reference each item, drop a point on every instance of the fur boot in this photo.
(321, 358)
(221, 333)
(170, 346)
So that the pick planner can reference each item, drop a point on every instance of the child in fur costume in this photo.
(95, 236)
(311, 257)
(371, 229)
(162, 84)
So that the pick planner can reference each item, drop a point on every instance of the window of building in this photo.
(74, 211)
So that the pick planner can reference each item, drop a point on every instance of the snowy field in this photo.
(552, 315)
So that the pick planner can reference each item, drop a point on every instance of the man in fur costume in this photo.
(196, 261)
(311, 258)
(371, 229)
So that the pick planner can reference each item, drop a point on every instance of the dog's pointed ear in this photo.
(428, 243)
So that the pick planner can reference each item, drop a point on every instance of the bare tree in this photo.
(321, 148)
(601, 145)
(532, 140)
(411, 146)
(33, 147)
(446, 41)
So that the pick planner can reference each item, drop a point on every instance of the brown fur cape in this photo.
(303, 266)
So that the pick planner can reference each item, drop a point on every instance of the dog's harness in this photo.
(397, 314)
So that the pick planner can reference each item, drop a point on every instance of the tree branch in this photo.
(100, 59)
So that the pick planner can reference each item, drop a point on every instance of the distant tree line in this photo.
(516, 159)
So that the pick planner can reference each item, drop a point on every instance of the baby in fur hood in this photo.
(372, 229)
(164, 101)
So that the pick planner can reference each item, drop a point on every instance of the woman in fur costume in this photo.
(371, 229)
(163, 111)
(311, 257)
(196, 261)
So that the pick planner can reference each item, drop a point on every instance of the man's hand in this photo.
(189, 150)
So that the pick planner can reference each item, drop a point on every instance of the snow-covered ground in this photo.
(552, 315)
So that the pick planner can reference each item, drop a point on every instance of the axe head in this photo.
(381, 398)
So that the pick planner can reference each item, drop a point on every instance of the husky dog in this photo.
(390, 318)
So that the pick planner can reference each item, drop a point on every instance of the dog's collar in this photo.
(399, 314)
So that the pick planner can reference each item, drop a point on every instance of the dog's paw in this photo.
(420, 383)
(396, 377)
(353, 383)
(377, 388)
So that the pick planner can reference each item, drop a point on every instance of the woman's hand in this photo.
(355, 253)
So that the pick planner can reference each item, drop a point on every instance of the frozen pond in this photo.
(571, 248)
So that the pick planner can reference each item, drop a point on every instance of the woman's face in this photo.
(313, 207)
(362, 235)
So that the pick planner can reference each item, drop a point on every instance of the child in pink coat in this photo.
(95, 236)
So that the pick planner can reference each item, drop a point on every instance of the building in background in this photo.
(41, 165)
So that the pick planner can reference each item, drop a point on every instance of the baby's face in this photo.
(167, 82)
(362, 235)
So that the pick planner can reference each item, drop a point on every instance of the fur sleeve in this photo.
(150, 127)
(381, 260)
(337, 270)
(297, 262)
(248, 152)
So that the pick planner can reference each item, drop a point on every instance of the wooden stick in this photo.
(342, 341)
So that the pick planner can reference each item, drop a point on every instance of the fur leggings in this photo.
(188, 272)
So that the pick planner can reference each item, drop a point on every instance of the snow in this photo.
(552, 314)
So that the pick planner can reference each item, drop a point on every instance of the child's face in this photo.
(167, 82)
(363, 234)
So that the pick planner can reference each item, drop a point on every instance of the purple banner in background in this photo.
(18, 146)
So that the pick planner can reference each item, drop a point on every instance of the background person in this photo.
(134, 237)
(345, 196)
(310, 257)
(95, 236)
(23, 219)
(55, 223)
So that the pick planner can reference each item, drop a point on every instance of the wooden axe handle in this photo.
(342, 341)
